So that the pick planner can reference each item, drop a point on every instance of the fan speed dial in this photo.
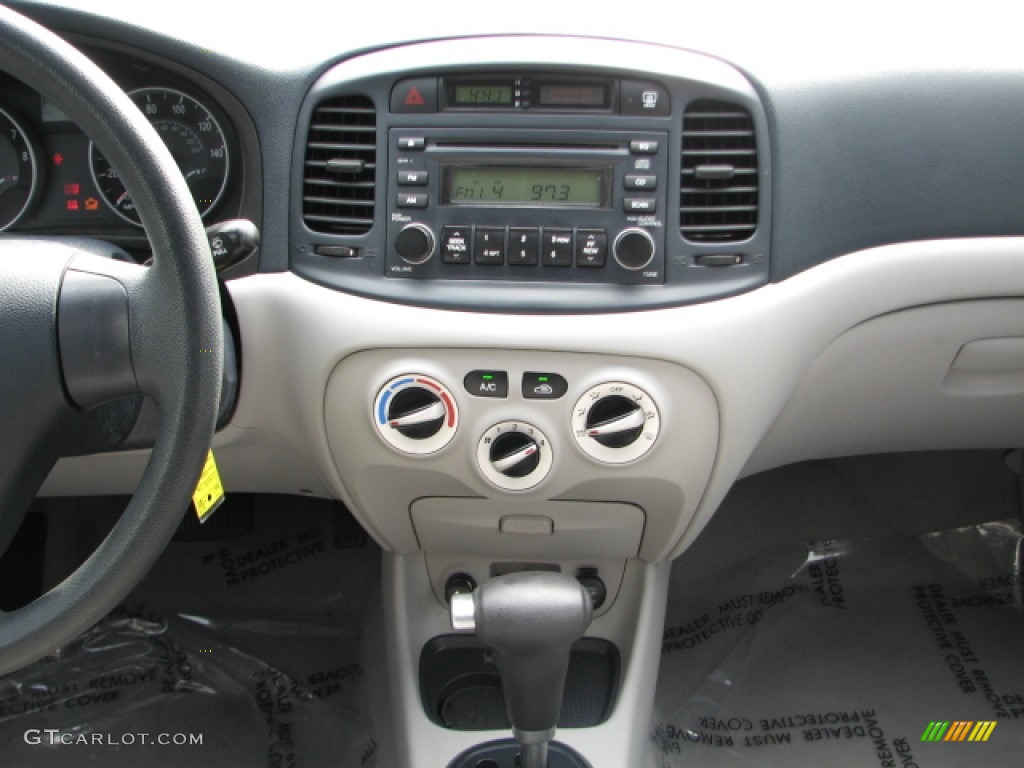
(514, 455)
(616, 422)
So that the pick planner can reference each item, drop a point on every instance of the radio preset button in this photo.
(641, 181)
(489, 246)
(411, 200)
(591, 247)
(413, 178)
(455, 244)
(557, 247)
(641, 147)
(523, 245)
(640, 204)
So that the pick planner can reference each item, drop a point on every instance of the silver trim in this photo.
(463, 612)
(632, 420)
(422, 416)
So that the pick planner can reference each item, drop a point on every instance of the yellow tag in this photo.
(209, 490)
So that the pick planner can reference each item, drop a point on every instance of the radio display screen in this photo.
(525, 186)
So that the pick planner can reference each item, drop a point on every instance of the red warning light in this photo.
(58, 159)
(72, 205)
(72, 189)
(414, 98)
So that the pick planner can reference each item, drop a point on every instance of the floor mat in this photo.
(897, 653)
(247, 651)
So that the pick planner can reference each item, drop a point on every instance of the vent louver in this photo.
(718, 196)
(340, 166)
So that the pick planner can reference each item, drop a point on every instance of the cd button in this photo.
(522, 246)
(591, 247)
(489, 246)
(455, 244)
(641, 181)
(557, 247)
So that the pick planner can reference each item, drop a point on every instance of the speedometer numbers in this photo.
(19, 171)
(195, 140)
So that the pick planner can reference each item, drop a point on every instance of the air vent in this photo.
(341, 163)
(718, 196)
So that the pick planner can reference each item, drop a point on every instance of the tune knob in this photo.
(415, 244)
(415, 414)
(633, 249)
(616, 422)
(514, 455)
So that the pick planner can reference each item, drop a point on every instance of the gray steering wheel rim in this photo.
(182, 320)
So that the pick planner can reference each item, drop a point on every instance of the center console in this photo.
(530, 178)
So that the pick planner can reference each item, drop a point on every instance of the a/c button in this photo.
(486, 383)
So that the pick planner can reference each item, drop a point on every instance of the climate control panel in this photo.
(613, 423)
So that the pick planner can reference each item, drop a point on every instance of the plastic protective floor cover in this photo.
(877, 653)
(841, 653)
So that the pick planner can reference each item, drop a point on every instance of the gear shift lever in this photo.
(530, 620)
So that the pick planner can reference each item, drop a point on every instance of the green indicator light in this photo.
(487, 377)
(542, 378)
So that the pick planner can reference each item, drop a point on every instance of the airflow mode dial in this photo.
(616, 422)
(514, 455)
(415, 414)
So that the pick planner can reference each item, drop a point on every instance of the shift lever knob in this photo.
(530, 621)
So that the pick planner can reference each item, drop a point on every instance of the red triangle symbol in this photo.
(414, 98)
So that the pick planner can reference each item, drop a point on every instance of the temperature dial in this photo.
(514, 455)
(415, 414)
(616, 422)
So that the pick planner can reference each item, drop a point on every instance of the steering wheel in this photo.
(77, 330)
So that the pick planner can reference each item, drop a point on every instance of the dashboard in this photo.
(506, 200)
(544, 294)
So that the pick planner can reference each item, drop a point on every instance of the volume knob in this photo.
(415, 244)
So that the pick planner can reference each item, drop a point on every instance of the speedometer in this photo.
(19, 171)
(195, 140)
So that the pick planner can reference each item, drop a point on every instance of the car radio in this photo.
(532, 205)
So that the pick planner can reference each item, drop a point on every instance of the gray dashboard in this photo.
(865, 162)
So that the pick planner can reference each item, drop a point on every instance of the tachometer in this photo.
(195, 139)
(19, 171)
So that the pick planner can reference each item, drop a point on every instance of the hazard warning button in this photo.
(417, 95)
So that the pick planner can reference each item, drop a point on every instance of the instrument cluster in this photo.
(54, 180)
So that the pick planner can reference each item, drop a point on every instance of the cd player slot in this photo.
(478, 146)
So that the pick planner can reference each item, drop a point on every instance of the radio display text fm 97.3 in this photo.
(524, 186)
